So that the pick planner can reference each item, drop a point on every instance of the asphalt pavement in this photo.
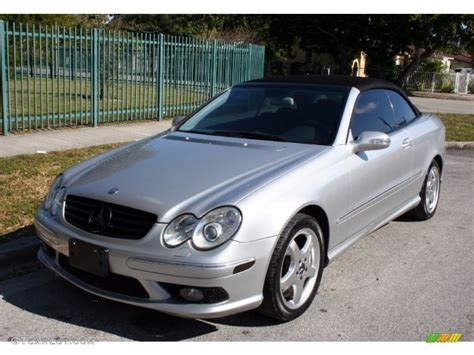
(427, 104)
(401, 283)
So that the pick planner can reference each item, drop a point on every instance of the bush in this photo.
(432, 66)
(420, 86)
(446, 86)
(471, 86)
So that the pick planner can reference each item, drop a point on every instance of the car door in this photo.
(406, 116)
(376, 177)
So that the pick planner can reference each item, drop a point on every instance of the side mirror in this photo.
(177, 121)
(370, 140)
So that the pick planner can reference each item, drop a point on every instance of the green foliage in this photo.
(420, 86)
(381, 37)
(225, 27)
(432, 66)
(25, 182)
(471, 86)
(67, 20)
(446, 86)
(342, 37)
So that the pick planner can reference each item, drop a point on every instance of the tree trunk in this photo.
(413, 65)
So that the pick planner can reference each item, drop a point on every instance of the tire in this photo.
(290, 286)
(425, 210)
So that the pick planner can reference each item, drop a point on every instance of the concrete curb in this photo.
(459, 145)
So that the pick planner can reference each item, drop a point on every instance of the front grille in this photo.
(115, 283)
(108, 219)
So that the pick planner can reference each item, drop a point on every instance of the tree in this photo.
(418, 36)
(224, 27)
(68, 20)
(382, 37)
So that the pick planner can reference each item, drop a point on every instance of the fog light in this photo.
(191, 294)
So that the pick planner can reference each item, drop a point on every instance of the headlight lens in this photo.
(179, 230)
(212, 230)
(57, 201)
(216, 227)
(53, 192)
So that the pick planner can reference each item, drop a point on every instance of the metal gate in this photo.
(53, 77)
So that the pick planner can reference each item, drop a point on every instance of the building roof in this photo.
(460, 57)
(334, 80)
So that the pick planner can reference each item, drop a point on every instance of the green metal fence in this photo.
(53, 77)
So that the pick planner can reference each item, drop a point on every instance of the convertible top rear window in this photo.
(293, 113)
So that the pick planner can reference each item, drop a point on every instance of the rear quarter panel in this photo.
(428, 136)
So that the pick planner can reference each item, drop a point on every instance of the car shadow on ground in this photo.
(56, 299)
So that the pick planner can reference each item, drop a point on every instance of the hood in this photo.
(181, 172)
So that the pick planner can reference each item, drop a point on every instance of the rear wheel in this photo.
(295, 269)
(429, 194)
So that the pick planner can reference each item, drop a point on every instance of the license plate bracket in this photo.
(89, 257)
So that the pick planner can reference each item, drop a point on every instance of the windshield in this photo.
(300, 114)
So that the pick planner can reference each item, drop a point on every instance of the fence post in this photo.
(95, 77)
(3, 74)
(161, 76)
(456, 83)
(433, 81)
(213, 68)
(250, 66)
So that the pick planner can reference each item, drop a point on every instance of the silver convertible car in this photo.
(243, 203)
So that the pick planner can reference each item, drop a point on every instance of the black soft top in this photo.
(363, 84)
(338, 80)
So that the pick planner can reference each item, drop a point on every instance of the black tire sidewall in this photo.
(302, 221)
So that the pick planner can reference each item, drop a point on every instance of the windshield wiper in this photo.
(386, 123)
(251, 134)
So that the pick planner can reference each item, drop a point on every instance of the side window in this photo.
(403, 111)
(372, 112)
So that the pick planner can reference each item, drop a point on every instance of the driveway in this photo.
(402, 282)
(426, 104)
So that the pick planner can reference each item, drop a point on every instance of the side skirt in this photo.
(342, 247)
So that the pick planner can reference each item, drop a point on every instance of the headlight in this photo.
(53, 192)
(179, 230)
(58, 200)
(210, 231)
(216, 227)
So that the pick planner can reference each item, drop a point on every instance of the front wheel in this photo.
(295, 269)
(429, 194)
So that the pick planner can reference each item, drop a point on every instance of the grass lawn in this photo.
(25, 179)
(459, 127)
(38, 102)
(24, 182)
(57, 96)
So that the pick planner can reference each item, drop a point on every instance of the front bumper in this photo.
(238, 268)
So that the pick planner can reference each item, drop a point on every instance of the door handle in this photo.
(406, 143)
